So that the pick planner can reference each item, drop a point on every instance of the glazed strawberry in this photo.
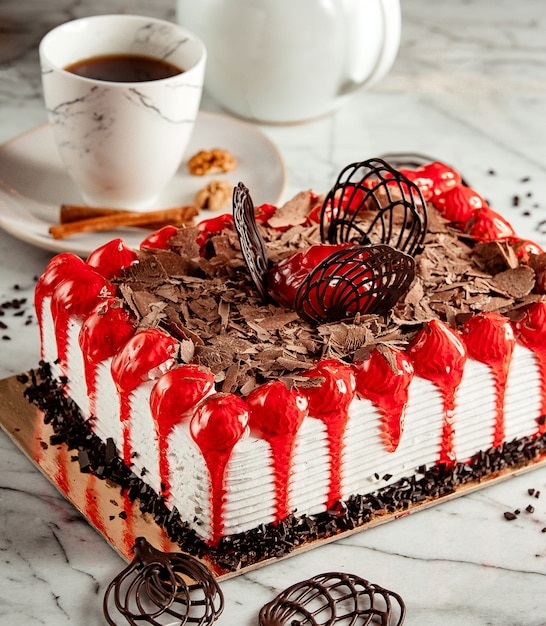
(277, 413)
(488, 225)
(285, 277)
(219, 422)
(112, 258)
(177, 393)
(458, 204)
(525, 249)
(265, 212)
(350, 201)
(212, 226)
(384, 379)
(443, 177)
(159, 239)
(174, 399)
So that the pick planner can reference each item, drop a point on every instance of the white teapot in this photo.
(292, 60)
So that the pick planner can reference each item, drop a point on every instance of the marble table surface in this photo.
(468, 87)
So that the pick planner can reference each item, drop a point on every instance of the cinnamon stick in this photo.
(75, 219)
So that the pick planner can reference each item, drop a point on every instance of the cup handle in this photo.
(390, 14)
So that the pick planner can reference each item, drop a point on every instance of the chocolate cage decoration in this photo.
(357, 279)
(158, 587)
(334, 598)
(394, 204)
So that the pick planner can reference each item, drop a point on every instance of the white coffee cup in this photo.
(292, 60)
(121, 142)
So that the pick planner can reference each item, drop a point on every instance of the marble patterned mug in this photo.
(292, 60)
(121, 142)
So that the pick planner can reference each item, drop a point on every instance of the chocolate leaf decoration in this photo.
(250, 239)
(371, 202)
(356, 279)
(334, 598)
(161, 586)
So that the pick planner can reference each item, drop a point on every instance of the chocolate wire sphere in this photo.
(357, 279)
(334, 598)
(395, 206)
(162, 586)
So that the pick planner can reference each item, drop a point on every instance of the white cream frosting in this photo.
(366, 463)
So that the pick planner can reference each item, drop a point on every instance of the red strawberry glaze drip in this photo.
(76, 296)
(490, 339)
(57, 270)
(105, 330)
(112, 258)
(385, 382)
(277, 413)
(458, 204)
(531, 332)
(219, 422)
(439, 356)
(173, 399)
(488, 225)
(285, 277)
(159, 239)
(146, 356)
(330, 403)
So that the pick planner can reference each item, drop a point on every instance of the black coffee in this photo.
(123, 68)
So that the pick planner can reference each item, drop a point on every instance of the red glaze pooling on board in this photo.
(112, 258)
(173, 399)
(439, 355)
(219, 422)
(105, 330)
(57, 269)
(490, 339)
(146, 356)
(531, 332)
(385, 382)
(330, 403)
(276, 413)
(75, 297)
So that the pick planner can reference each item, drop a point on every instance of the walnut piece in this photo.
(212, 161)
(214, 196)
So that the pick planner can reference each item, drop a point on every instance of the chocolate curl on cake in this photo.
(250, 239)
(358, 279)
(334, 598)
(394, 206)
(163, 585)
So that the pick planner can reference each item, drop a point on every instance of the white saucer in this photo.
(34, 184)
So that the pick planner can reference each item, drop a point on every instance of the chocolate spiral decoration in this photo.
(334, 598)
(163, 586)
(373, 189)
(250, 239)
(356, 279)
